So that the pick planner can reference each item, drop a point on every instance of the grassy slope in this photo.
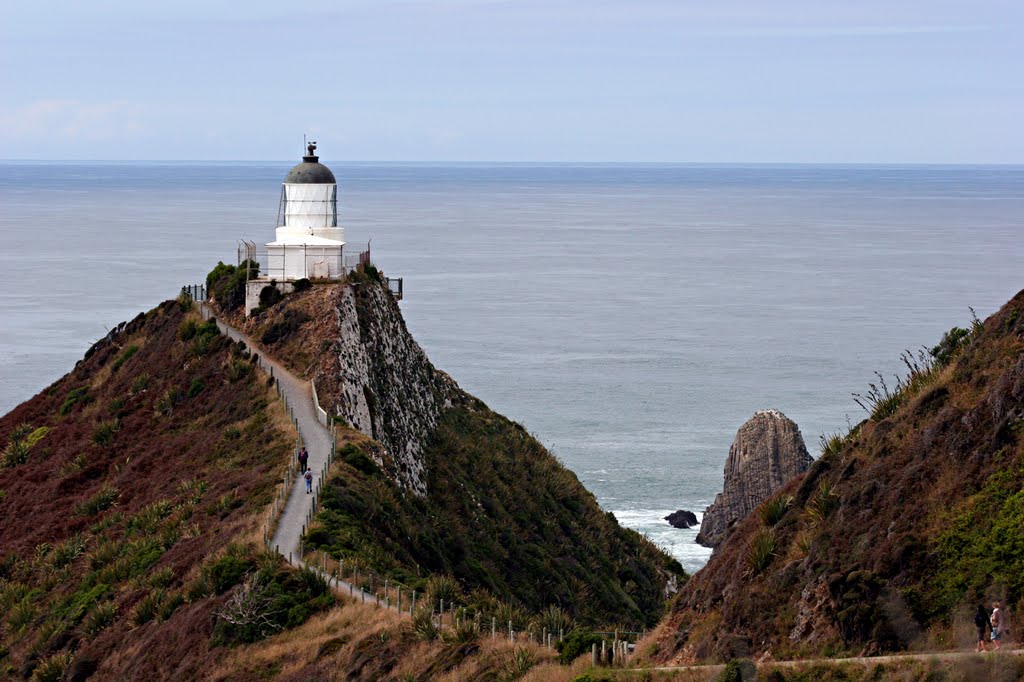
(171, 451)
(892, 537)
(503, 516)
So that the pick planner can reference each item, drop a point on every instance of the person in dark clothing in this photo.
(303, 459)
(981, 622)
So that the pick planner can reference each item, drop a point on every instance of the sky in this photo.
(812, 81)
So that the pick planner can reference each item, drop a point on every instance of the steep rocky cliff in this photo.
(351, 340)
(895, 534)
(767, 453)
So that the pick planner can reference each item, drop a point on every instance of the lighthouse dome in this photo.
(310, 171)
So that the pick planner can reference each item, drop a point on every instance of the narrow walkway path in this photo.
(947, 656)
(317, 439)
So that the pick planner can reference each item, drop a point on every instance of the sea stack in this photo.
(768, 451)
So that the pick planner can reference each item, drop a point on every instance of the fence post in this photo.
(510, 631)
(494, 627)
(593, 654)
(412, 610)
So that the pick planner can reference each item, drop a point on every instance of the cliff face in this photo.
(767, 453)
(895, 534)
(351, 340)
(385, 386)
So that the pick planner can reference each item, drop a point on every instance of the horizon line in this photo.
(496, 162)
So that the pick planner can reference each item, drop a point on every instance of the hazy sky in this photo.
(631, 80)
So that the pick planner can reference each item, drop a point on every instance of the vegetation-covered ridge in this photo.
(129, 492)
(898, 531)
(443, 486)
(515, 529)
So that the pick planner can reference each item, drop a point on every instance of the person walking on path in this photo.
(996, 620)
(981, 622)
(303, 459)
(309, 481)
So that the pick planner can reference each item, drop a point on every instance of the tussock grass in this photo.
(101, 617)
(52, 669)
(823, 503)
(104, 499)
(773, 509)
(761, 551)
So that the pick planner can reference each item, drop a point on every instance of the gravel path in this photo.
(318, 441)
(946, 656)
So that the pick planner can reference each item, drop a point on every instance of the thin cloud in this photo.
(72, 120)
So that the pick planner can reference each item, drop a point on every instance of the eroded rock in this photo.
(768, 451)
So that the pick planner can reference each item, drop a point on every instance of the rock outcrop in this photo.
(385, 386)
(682, 519)
(767, 453)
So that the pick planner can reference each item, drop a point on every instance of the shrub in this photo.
(738, 671)
(147, 608)
(761, 551)
(169, 606)
(423, 626)
(356, 458)
(301, 285)
(831, 444)
(188, 329)
(67, 551)
(575, 644)
(440, 587)
(104, 432)
(554, 620)
(269, 295)
(149, 517)
(140, 384)
(19, 432)
(102, 500)
(74, 397)
(227, 283)
(192, 489)
(21, 614)
(14, 454)
(290, 321)
(227, 572)
(124, 357)
(99, 618)
(235, 368)
(824, 501)
(772, 510)
(518, 663)
(951, 344)
(164, 405)
(196, 387)
(52, 669)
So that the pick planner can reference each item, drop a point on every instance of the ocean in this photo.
(632, 317)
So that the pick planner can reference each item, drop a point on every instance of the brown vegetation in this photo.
(897, 531)
(137, 479)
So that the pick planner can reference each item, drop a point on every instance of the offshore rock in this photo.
(767, 453)
(682, 519)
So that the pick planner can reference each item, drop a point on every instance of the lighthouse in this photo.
(308, 241)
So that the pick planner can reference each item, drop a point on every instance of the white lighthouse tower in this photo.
(308, 241)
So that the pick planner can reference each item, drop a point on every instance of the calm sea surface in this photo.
(631, 316)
